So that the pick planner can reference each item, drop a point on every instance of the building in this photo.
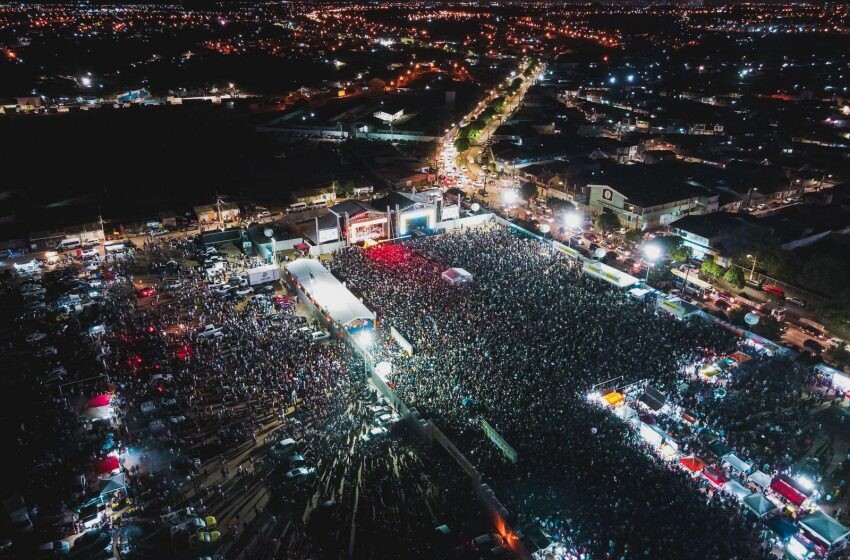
(710, 236)
(209, 213)
(318, 194)
(645, 197)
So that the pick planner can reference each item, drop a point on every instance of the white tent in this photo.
(732, 460)
(736, 489)
(761, 479)
(758, 504)
(98, 412)
(329, 294)
(456, 276)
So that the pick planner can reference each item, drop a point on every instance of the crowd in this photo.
(521, 346)
(196, 415)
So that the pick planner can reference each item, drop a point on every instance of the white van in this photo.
(69, 244)
(296, 207)
(319, 204)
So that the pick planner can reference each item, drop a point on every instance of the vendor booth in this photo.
(736, 463)
(825, 531)
(736, 489)
(653, 399)
(693, 464)
(760, 478)
(759, 505)
(789, 490)
(715, 477)
(107, 465)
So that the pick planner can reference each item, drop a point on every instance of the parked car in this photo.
(813, 346)
(206, 537)
(283, 447)
(146, 292)
(773, 289)
(796, 301)
(374, 433)
(316, 336)
(54, 548)
(301, 473)
(810, 330)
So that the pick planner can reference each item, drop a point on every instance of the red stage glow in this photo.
(390, 256)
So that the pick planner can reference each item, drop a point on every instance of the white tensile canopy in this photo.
(329, 293)
(457, 276)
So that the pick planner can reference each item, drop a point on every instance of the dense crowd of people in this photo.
(521, 346)
(204, 382)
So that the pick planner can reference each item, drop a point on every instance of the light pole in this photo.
(653, 253)
(753, 269)
(573, 221)
(544, 229)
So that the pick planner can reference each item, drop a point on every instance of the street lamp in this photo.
(510, 197)
(544, 229)
(652, 253)
(573, 221)
(753, 269)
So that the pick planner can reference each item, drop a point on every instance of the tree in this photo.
(824, 271)
(607, 221)
(734, 276)
(674, 247)
(499, 104)
(472, 134)
(462, 143)
(634, 236)
(711, 269)
(680, 254)
(528, 189)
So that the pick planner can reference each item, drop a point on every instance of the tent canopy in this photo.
(614, 398)
(692, 463)
(97, 413)
(736, 489)
(456, 276)
(100, 400)
(825, 528)
(329, 293)
(760, 478)
(106, 465)
(758, 504)
(786, 488)
(653, 398)
(781, 526)
(737, 463)
(112, 484)
(715, 476)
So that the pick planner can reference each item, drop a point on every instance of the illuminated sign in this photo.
(429, 213)
(367, 229)
(607, 194)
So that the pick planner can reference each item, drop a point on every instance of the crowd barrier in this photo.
(431, 434)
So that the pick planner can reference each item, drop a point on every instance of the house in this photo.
(710, 235)
(318, 194)
(209, 213)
